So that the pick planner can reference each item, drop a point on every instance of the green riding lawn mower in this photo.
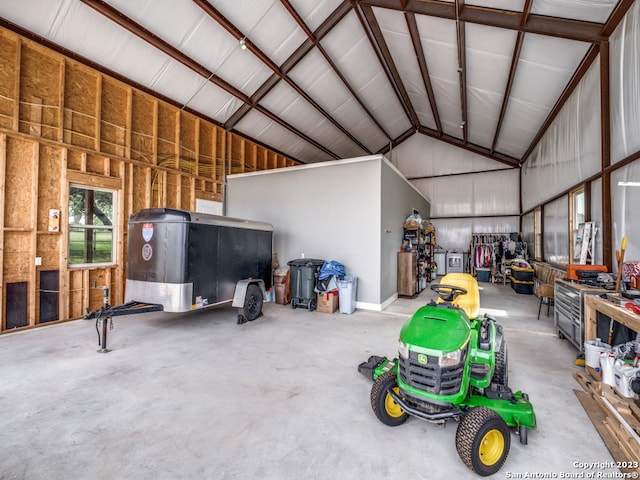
(452, 365)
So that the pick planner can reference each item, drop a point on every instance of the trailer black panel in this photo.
(186, 260)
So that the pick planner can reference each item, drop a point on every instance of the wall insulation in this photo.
(556, 231)
(570, 150)
(624, 53)
(63, 123)
(625, 201)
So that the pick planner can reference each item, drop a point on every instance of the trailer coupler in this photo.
(107, 312)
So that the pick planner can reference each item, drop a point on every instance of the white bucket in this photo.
(592, 350)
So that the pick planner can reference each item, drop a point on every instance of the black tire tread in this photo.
(466, 434)
(378, 394)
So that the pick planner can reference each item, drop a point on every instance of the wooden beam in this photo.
(33, 240)
(3, 177)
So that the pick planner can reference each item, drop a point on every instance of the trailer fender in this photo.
(241, 291)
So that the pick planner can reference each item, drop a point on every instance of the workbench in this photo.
(617, 419)
(595, 303)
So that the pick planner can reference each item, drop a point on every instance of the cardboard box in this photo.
(328, 302)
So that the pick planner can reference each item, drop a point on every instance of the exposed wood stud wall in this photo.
(64, 123)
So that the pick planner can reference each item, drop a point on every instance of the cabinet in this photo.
(407, 273)
(569, 308)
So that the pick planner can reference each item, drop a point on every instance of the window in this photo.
(537, 230)
(577, 217)
(91, 225)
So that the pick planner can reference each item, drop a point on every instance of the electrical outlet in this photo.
(38, 261)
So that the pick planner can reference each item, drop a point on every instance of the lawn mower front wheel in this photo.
(483, 440)
(383, 404)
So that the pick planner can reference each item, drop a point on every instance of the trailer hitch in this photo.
(107, 312)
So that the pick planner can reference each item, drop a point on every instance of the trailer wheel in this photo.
(252, 307)
(383, 404)
(483, 441)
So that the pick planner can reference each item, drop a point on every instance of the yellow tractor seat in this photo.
(470, 301)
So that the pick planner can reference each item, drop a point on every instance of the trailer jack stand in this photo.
(103, 340)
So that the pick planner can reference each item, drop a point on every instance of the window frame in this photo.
(113, 227)
(574, 222)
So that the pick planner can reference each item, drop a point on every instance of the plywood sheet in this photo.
(49, 181)
(9, 52)
(80, 106)
(167, 135)
(114, 110)
(40, 90)
(19, 194)
(143, 115)
(17, 256)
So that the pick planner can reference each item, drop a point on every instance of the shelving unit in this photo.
(421, 242)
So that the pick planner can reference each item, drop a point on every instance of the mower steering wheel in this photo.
(448, 293)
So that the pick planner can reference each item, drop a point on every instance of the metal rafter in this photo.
(278, 74)
(313, 40)
(462, 69)
(512, 72)
(372, 29)
(422, 63)
(141, 32)
(540, 24)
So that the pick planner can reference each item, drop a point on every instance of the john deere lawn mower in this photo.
(452, 365)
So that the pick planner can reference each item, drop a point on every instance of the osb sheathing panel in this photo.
(189, 133)
(187, 192)
(142, 127)
(76, 160)
(19, 194)
(141, 191)
(167, 135)
(76, 293)
(9, 51)
(80, 106)
(48, 184)
(173, 193)
(206, 149)
(99, 165)
(40, 94)
(113, 128)
(17, 257)
(48, 247)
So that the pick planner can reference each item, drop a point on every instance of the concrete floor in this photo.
(196, 396)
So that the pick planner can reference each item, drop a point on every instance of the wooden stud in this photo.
(98, 114)
(3, 163)
(33, 223)
(16, 99)
(63, 276)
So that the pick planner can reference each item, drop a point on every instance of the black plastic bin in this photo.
(304, 273)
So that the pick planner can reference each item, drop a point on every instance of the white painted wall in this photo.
(349, 210)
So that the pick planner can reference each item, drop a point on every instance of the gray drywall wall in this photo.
(328, 211)
(350, 210)
(399, 197)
